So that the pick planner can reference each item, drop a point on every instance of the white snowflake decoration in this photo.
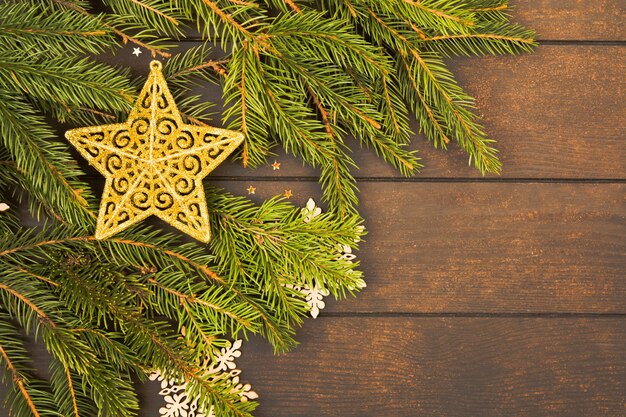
(310, 211)
(314, 297)
(225, 360)
(179, 404)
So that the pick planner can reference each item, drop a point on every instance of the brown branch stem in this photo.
(43, 316)
(293, 6)
(72, 391)
(214, 65)
(19, 380)
(226, 17)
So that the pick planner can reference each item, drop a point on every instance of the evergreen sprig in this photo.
(318, 71)
(99, 306)
(307, 75)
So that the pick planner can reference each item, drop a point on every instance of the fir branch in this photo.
(469, 134)
(227, 19)
(44, 163)
(109, 345)
(192, 299)
(14, 356)
(442, 10)
(16, 376)
(68, 396)
(124, 36)
(39, 29)
(437, 100)
(64, 344)
(429, 122)
(280, 338)
(153, 343)
(70, 385)
(276, 230)
(68, 82)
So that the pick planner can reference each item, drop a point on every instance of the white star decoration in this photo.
(136, 51)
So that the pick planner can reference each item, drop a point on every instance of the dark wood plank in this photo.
(484, 247)
(407, 366)
(559, 113)
(572, 19)
(494, 247)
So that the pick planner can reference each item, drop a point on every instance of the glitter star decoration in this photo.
(275, 165)
(154, 163)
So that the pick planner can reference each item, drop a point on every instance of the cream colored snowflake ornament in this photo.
(154, 163)
(314, 296)
(310, 211)
(179, 404)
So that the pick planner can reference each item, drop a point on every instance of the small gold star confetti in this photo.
(154, 163)
(288, 194)
(251, 190)
(275, 165)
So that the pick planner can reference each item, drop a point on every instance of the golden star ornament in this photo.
(154, 163)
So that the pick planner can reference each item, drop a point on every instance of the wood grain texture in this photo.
(408, 366)
(484, 247)
(572, 20)
(494, 247)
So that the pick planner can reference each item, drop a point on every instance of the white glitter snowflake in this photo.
(314, 297)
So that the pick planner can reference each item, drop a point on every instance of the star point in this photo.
(154, 163)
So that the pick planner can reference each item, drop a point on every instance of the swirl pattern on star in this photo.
(154, 163)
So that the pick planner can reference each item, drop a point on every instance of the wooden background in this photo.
(496, 296)
(487, 296)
